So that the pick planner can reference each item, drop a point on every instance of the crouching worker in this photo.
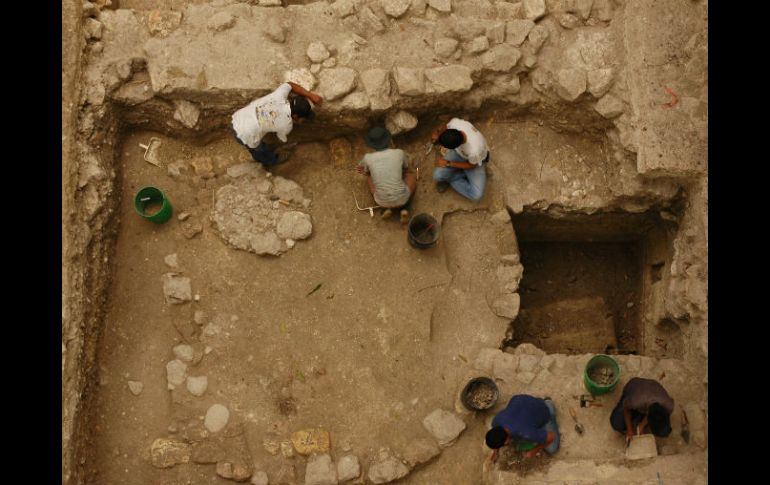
(388, 177)
(463, 167)
(644, 403)
(274, 113)
(528, 424)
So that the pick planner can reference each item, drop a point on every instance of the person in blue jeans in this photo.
(463, 167)
(526, 423)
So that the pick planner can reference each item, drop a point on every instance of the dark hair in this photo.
(496, 437)
(451, 138)
(660, 424)
(300, 106)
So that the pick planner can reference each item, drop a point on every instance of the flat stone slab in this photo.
(641, 447)
(444, 426)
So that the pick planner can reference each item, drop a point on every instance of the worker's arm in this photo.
(548, 440)
(297, 89)
(629, 426)
(437, 133)
(440, 162)
(362, 168)
(642, 425)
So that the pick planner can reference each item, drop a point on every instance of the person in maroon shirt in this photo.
(644, 403)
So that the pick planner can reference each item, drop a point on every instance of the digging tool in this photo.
(429, 148)
(685, 428)
(578, 427)
(150, 151)
(370, 209)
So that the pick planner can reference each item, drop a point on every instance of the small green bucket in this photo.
(147, 196)
(599, 361)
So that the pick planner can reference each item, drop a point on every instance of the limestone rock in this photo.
(330, 62)
(320, 470)
(570, 83)
(537, 37)
(275, 32)
(197, 385)
(92, 28)
(348, 468)
(288, 190)
(343, 8)
(369, 21)
(386, 468)
(444, 426)
(505, 366)
(176, 289)
(441, 5)
(221, 21)
(508, 11)
(496, 33)
(317, 52)
(478, 45)
(294, 225)
(599, 81)
(445, 46)
(247, 168)
(395, 8)
(501, 58)
(697, 424)
(400, 121)
(259, 478)
(409, 81)
(270, 3)
(162, 23)
(420, 451)
(507, 306)
(135, 387)
(486, 358)
(166, 453)
(580, 7)
(525, 377)
(239, 472)
(501, 217)
(533, 9)
(191, 229)
(528, 362)
(183, 352)
(301, 76)
(336, 83)
(567, 20)
(377, 86)
(207, 452)
(355, 102)
(171, 261)
(309, 441)
(508, 277)
(216, 418)
(528, 349)
(516, 31)
(199, 317)
(609, 106)
(266, 243)
(448, 79)
(642, 446)
(176, 372)
(509, 259)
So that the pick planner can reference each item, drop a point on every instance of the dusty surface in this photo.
(353, 332)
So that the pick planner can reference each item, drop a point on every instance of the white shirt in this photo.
(268, 114)
(475, 148)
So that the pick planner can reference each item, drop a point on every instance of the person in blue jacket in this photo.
(526, 423)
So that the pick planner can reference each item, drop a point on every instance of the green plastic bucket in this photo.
(597, 362)
(150, 195)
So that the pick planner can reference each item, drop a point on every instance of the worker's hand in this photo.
(317, 100)
(360, 169)
(440, 162)
(629, 435)
(532, 453)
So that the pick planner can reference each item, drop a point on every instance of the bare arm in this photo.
(548, 440)
(437, 133)
(629, 426)
(440, 162)
(297, 89)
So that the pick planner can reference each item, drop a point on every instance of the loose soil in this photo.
(602, 375)
(481, 395)
(511, 460)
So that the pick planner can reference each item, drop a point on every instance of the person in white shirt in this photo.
(274, 113)
(463, 166)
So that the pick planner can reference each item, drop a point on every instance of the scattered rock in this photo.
(508, 11)
(409, 81)
(197, 385)
(309, 441)
(348, 468)
(609, 106)
(570, 83)
(183, 352)
(183, 216)
(248, 168)
(135, 387)
(286, 474)
(330, 62)
(400, 122)
(567, 20)
(176, 289)
(642, 446)
(275, 31)
(315, 68)
(445, 46)
(528, 349)
(294, 225)
(395, 8)
(386, 467)
(221, 21)
(271, 446)
(301, 76)
(317, 52)
(176, 372)
(501, 217)
(166, 453)
(533, 9)
(171, 261)
(448, 79)
(420, 451)
(343, 8)
(537, 37)
(287, 451)
(240, 472)
(441, 5)
(697, 424)
(501, 58)
(266, 243)
(377, 86)
(444, 426)
(288, 190)
(92, 28)
(580, 7)
(207, 452)
(216, 418)
(335, 83)
(517, 30)
(320, 471)
(259, 478)
(496, 33)
(478, 45)
(187, 330)
(369, 21)
(355, 102)
(191, 229)
(186, 113)
(599, 81)
(507, 306)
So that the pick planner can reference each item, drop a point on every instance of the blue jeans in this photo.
(263, 154)
(554, 428)
(469, 183)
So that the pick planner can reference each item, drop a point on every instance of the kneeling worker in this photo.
(526, 423)
(463, 165)
(389, 180)
(643, 402)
